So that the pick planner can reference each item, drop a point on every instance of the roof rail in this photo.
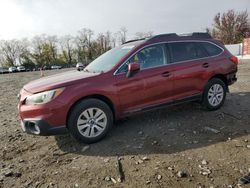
(201, 35)
(133, 40)
(174, 35)
(163, 35)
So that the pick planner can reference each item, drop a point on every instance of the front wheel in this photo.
(214, 94)
(90, 120)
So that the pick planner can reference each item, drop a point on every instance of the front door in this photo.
(151, 86)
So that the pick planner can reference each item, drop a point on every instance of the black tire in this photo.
(79, 109)
(205, 100)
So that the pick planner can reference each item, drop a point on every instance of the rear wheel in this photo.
(90, 120)
(214, 94)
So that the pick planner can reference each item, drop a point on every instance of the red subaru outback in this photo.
(136, 76)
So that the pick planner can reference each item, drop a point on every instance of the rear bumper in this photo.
(231, 78)
(41, 127)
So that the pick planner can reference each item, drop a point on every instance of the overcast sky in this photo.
(27, 18)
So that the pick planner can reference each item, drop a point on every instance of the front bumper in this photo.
(41, 127)
(42, 119)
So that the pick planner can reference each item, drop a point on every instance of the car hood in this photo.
(57, 80)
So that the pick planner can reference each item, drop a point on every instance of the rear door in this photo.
(190, 68)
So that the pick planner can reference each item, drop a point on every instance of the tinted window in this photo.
(211, 48)
(200, 51)
(182, 51)
(152, 56)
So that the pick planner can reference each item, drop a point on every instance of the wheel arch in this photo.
(221, 77)
(94, 96)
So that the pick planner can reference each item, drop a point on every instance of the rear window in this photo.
(211, 49)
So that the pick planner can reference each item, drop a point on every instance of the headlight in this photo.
(44, 97)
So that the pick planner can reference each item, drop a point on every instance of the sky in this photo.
(27, 18)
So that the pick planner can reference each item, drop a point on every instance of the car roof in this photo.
(170, 37)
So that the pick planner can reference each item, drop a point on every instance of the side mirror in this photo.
(133, 68)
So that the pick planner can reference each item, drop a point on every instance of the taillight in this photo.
(234, 60)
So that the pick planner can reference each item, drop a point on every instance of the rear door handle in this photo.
(205, 65)
(166, 74)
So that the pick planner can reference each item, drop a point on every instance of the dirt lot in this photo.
(172, 147)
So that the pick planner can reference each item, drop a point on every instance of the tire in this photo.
(90, 120)
(214, 94)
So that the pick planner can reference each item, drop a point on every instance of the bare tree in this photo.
(2, 61)
(85, 35)
(140, 35)
(67, 48)
(231, 27)
(122, 34)
(11, 51)
(114, 40)
(24, 51)
(104, 42)
(107, 41)
(52, 42)
(37, 51)
(84, 45)
(47, 50)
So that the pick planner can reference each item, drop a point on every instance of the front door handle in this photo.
(205, 65)
(166, 74)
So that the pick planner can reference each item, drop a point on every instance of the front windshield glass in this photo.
(108, 60)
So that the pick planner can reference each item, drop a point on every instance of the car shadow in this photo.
(170, 130)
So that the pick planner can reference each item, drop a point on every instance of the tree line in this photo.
(46, 50)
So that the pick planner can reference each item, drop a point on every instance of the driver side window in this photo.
(148, 57)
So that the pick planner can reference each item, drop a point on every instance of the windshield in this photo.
(108, 60)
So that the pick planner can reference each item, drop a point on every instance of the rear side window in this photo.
(200, 51)
(182, 51)
(211, 49)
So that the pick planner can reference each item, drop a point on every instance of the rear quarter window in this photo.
(211, 49)
(192, 50)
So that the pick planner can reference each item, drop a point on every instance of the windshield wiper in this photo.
(85, 70)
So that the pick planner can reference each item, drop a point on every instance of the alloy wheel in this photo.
(215, 95)
(92, 122)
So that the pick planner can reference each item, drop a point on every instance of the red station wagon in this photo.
(137, 76)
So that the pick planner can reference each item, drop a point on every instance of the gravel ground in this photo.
(182, 146)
